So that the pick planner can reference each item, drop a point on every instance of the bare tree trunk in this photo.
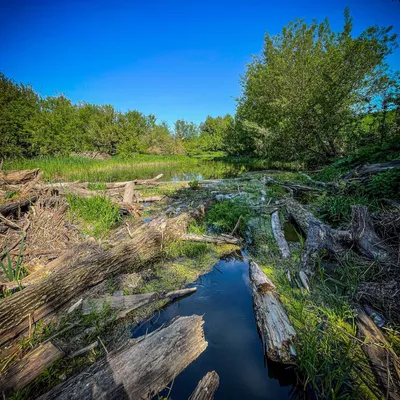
(139, 371)
(38, 300)
(206, 388)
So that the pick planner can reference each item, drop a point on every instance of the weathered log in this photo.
(130, 302)
(364, 171)
(206, 388)
(382, 358)
(29, 367)
(139, 371)
(211, 239)
(365, 238)
(279, 236)
(45, 296)
(319, 235)
(272, 321)
(17, 177)
(293, 187)
(12, 206)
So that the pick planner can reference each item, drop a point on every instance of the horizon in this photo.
(177, 62)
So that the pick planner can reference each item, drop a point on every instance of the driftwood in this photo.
(130, 302)
(45, 296)
(382, 358)
(139, 371)
(206, 388)
(29, 367)
(279, 236)
(129, 192)
(17, 177)
(211, 239)
(13, 206)
(272, 321)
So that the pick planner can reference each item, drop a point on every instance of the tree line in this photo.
(32, 126)
(312, 95)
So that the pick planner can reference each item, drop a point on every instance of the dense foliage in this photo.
(313, 94)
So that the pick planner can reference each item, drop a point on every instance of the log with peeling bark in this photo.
(382, 358)
(15, 205)
(17, 177)
(276, 331)
(279, 236)
(141, 370)
(40, 299)
(29, 367)
(222, 239)
(206, 388)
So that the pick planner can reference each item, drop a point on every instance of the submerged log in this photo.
(29, 367)
(17, 177)
(272, 321)
(206, 388)
(279, 236)
(40, 299)
(382, 358)
(139, 371)
(211, 239)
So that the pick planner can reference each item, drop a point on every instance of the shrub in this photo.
(385, 184)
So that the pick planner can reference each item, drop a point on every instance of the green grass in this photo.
(96, 214)
(330, 359)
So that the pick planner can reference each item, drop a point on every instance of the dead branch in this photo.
(206, 388)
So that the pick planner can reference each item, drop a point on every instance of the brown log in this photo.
(12, 206)
(17, 177)
(29, 367)
(45, 296)
(139, 371)
(382, 358)
(273, 324)
(206, 388)
(279, 236)
(211, 239)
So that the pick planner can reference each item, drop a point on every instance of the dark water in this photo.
(234, 348)
(290, 232)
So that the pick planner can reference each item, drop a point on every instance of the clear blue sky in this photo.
(173, 58)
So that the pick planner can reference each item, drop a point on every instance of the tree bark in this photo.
(279, 236)
(384, 361)
(29, 367)
(45, 296)
(272, 321)
(206, 388)
(139, 371)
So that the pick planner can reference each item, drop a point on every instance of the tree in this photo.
(302, 91)
(186, 130)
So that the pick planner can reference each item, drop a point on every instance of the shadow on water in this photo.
(234, 348)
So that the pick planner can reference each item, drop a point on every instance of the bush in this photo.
(385, 184)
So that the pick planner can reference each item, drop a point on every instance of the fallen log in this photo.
(293, 187)
(279, 236)
(130, 302)
(211, 239)
(129, 192)
(29, 367)
(382, 358)
(139, 371)
(364, 171)
(364, 236)
(13, 206)
(206, 388)
(17, 177)
(38, 300)
(272, 321)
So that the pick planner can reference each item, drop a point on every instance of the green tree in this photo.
(300, 94)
